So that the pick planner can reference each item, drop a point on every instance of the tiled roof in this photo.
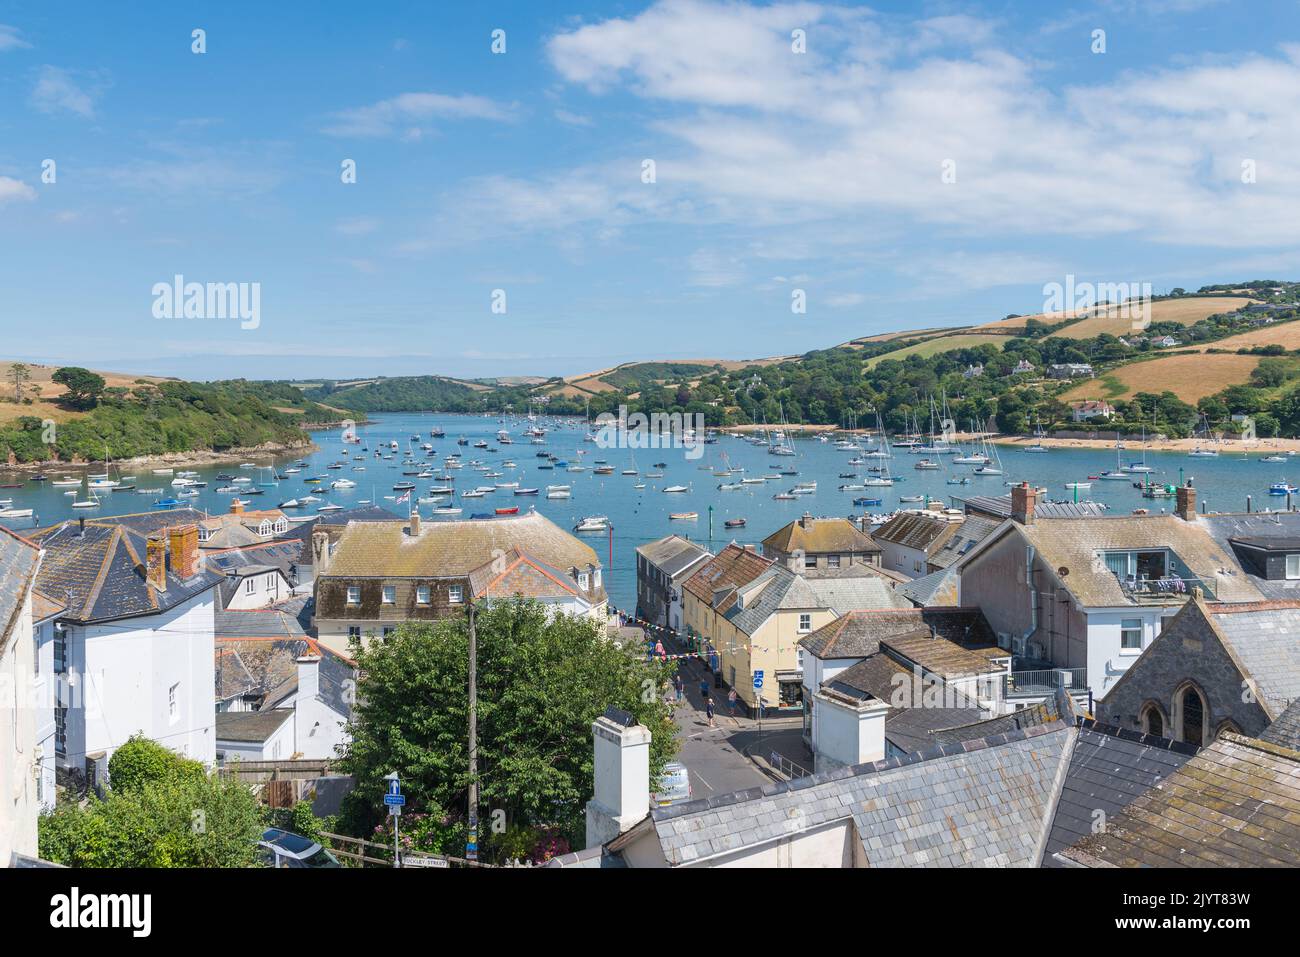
(100, 572)
(524, 575)
(731, 568)
(266, 664)
(1235, 804)
(854, 593)
(1262, 528)
(280, 554)
(940, 656)
(335, 521)
(969, 534)
(452, 549)
(820, 535)
(981, 803)
(784, 591)
(919, 530)
(859, 633)
(1265, 640)
(1109, 769)
(1285, 731)
(1042, 713)
(1000, 506)
(1077, 544)
(250, 727)
(18, 561)
(936, 588)
(672, 554)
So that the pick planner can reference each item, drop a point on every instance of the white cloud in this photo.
(857, 129)
(712, 269)
(14, 189)
(572, 119)
(359, 226)
(410, 115)
(844, 300)
(57, 91)
(11, 39)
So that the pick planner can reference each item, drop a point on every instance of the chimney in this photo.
(236, 506)
(308, 675)
(184, 541)
(1022, 503)
(1185, 502)
(320, 552)
(414, 530)
(806, 521)
(156, 563)
(862, 730)
(622, 776)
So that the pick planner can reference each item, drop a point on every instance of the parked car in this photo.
(674, 785)
(280, 848)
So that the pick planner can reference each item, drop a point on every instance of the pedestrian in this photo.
(708, 709)
(731, 702)
(678, 685)
(659, 650)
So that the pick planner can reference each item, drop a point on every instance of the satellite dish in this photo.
(1063, 571)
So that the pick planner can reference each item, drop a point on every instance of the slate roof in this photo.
(256, 654)
(672, 554)
(999, 506)
(18, 561)
(784, 591)
(283, 555)
(250, 727)
(982, 803)
(522, 574)
(335, 522)
(818, 535)
(1285, 731)
(1261, 528)
(859, 633)
(1077, 544)
(100, 571)
(969, 534)
(1042, 713)
(924, 531)
(852, 593)
(940, 656)
(936, 588)
(452, 549)
(715, 582)
(1265, 639)
(1109, 769)
(1235, 804)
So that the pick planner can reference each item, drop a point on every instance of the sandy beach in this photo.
(1225, 447)
(261, 454)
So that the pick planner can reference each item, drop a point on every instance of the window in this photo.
(455, 594)
(422, 594)
(264, 528)
(810, 561)
(805, 622)
(354, 631)
(60, 652)
(1153, 722)
(1193, 717)
(1130, 634)
(582, 580)
(1137, 566)
(204, 533)
(250, 586)
(595, 578)
(36, 651)
(390, 594)
(282, 525)
(354, 594)
(173, 709)
(832, 561)
(1293, 566)
(389, 631)
(60, 730)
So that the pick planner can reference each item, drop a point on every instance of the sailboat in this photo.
(1200, 451)
(102, 480)
(1038, 445)
(1139, 467)
(993, 463)
(881, 478)
(1117, 473)
(92, 502)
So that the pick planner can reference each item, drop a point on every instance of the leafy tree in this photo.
(19, 374)
(143, 761)
(84, 387)
(542, 680)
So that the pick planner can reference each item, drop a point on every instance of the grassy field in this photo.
(43, 406)
(1285, 334)
(905, 334)
(1185, 311)
(934, 346)
(1190, 377)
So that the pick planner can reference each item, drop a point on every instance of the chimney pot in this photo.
(1023, 499)
(1185, 502)
(156, 562)
(184, 541)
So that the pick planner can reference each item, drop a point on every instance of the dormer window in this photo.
(583, 580)
(1293, 566)
(204, 533)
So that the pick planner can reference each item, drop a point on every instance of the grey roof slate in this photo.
(934, 588)
(1285, 731)
(1262, 527)
(1000, 506)
(250, 726)
(18, 561)
(859, 633)
(976, 804)
(853, 593)
(1109, 769)
(672, 554)
(970, 533)
(1266, 640)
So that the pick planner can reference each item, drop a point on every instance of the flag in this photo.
(404, 497)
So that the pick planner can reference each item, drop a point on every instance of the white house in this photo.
(132, 649)
(19, 780)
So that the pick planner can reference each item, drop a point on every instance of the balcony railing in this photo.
(1044, 682)
(1170, 588)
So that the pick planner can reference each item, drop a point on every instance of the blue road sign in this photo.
(394, 800)
(394, 786)
(758, 680)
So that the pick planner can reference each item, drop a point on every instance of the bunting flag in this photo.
(631, 619)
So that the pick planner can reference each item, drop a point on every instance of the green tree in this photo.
(542, 680)
(19, 374)
(142, 761)
(84, 387)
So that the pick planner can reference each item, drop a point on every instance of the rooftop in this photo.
(926, 531)
(819, 535)
(18, 560)
(672, 554)
(859, 633)
(251, 727)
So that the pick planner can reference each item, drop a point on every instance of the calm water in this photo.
(642, 515)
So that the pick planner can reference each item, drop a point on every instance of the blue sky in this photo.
(522, 171)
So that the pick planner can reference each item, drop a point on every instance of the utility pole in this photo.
(471, 843)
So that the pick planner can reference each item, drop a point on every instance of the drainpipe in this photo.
(1033, 594)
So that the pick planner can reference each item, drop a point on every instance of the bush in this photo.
(141, 761)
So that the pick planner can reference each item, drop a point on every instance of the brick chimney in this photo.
(1185, 502)
(806, 520)
(1022, 503)
(184, 542)
(236, 506)
(414, 529)
(156, 562)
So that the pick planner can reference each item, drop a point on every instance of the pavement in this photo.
(735, 753)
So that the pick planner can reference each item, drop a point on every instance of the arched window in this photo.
(1227, 726)
(1153, 722)
(1193, 715)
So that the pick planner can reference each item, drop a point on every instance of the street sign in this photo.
(394, 800)
(758, 680)
(425, 862)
